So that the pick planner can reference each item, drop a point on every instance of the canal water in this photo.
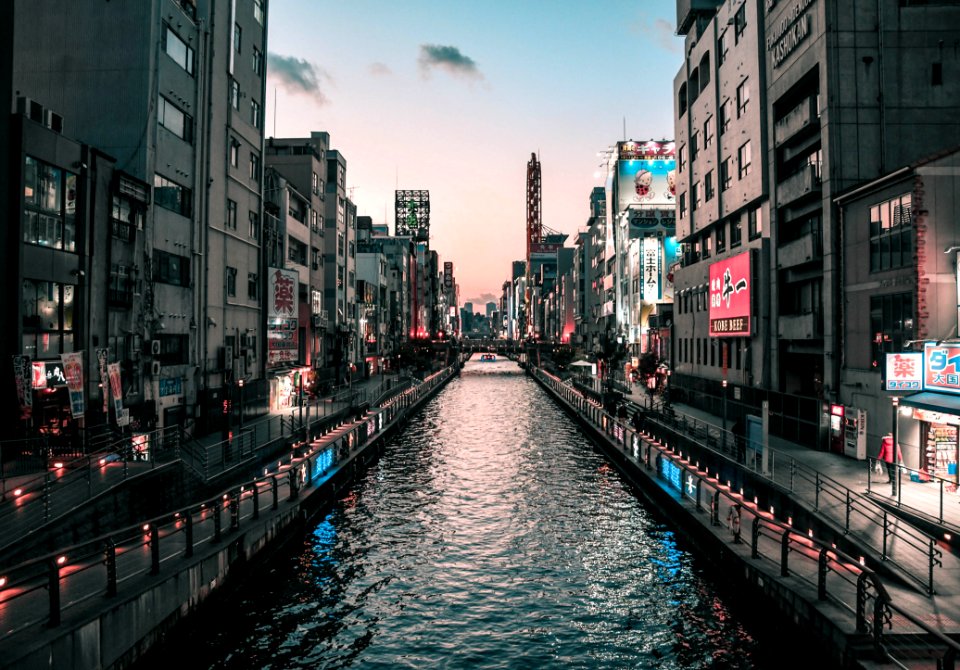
(489, 535)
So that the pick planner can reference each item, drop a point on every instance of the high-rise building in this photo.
(181, 110)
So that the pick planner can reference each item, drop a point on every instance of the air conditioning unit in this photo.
(155, 368)
(53, 121)
(154, 347)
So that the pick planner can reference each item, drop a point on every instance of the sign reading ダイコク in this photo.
(941, 367)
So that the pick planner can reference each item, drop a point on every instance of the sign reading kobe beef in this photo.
(730, 289)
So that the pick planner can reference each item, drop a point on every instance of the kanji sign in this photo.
(904, 372)
(941, 367)
(730, 303)
(282, 293)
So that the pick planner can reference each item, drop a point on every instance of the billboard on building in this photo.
(651, 260)
(731, 284)
(73, 372)
(904, 372)
(941, 367)
(412, 214)
(544, 251)
(282, 323)
(646, 178)
(448, 275)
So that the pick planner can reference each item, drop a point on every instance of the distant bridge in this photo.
(491, 345)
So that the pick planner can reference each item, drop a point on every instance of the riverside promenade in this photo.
(104, 601)
(872, 576)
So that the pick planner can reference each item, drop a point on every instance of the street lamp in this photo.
(240, 386)
(895, 474)
(724, 386)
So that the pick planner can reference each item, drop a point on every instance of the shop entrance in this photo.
(938, 451)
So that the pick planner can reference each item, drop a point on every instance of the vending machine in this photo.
(855, 433)
(836, 429)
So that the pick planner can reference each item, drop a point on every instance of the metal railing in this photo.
(855, 588)
(939, 488)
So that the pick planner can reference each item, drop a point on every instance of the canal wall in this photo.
(794, 600)
(116, 632)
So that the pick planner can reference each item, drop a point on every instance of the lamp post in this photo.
(240, 386)
(895, 476)
(724, 386)
(300, 376)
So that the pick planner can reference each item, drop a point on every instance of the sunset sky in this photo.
(453, 96)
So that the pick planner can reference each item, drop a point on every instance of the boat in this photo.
(488, 358)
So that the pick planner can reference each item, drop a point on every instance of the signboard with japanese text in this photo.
(116, 390)
(646, 176)
(73, 372)
(730, 290)
(22, 373)
(102, 355)
(48, 374)
(448, 275)
(282, 322)
(904, 372)
(651, 260)
(941, 367)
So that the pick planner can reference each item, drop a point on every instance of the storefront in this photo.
(937, 421)
(285, 387)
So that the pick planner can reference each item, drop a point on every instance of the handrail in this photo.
(945, 485)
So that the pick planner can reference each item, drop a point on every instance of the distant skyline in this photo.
(453, 97)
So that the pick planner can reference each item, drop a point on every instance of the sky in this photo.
(453, 96)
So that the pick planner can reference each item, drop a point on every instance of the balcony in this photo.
(123, 231)
(807, 326)
(798, 119)
(798, 252)
(802, 183)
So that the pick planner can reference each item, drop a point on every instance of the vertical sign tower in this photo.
(534, 234)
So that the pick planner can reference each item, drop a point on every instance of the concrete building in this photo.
(186, 92)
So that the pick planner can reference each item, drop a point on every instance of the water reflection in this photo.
(489, 535)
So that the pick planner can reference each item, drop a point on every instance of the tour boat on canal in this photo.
(488, 358)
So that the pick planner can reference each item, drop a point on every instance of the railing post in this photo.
(188, 533)
(880, 615)
(53, 586)
(699, 486)
(154, 549)
(793, 472)
(46, 496)
(846, 526)
(256, 500)
(217, 504)
(816, 503)
(715, 509)
(276, 492)
(784, 553)
(89, 469)
(886, 532)
(862, 603)
(235, 509)
(110, 559)
(755, 538)
(941, 500)
(822, 567)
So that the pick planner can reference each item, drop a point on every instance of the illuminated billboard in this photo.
(730, 288)
(904, 372)
(941, 367)
(282, 322)
(646, 175)
(412, 211)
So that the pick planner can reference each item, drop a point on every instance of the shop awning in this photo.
(934, 402)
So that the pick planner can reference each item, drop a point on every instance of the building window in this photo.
(170, 268)
(50, 206)
(314, 258)
(708, 186)
(936, 74)
(174, 350)
(708, 132)
(255, 113)
(47, 316)
(721, 237)
(315, 222)
(743, 97)
(258, 11)
(175, 120)
(743, 160)
(736, 232)
(723, 46)
(171, 195)
(704, 70)
(235, 94)
(257, 62)
(726, 179)
(254, 167)
(296, 251)
(231, 215)
(682, 157)
(891, 324)
(695, 195)
(683, 205)
(726, 112)
(120, 290)
(253, 286)
(694, 145)
(707, 245)
(891, 234)
(255, 225)
(126, 217)
(755, 223)
(739, 23)
(234, 153)
(682, 100)
(231, 282)
(181, 53)
(237, 36)
(315, 183)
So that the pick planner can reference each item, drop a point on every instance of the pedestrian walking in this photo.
(891, 456)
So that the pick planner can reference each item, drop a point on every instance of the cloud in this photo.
(662, 32)
(298, 76)
(447, 58)
(380, 70)
(480, 301)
